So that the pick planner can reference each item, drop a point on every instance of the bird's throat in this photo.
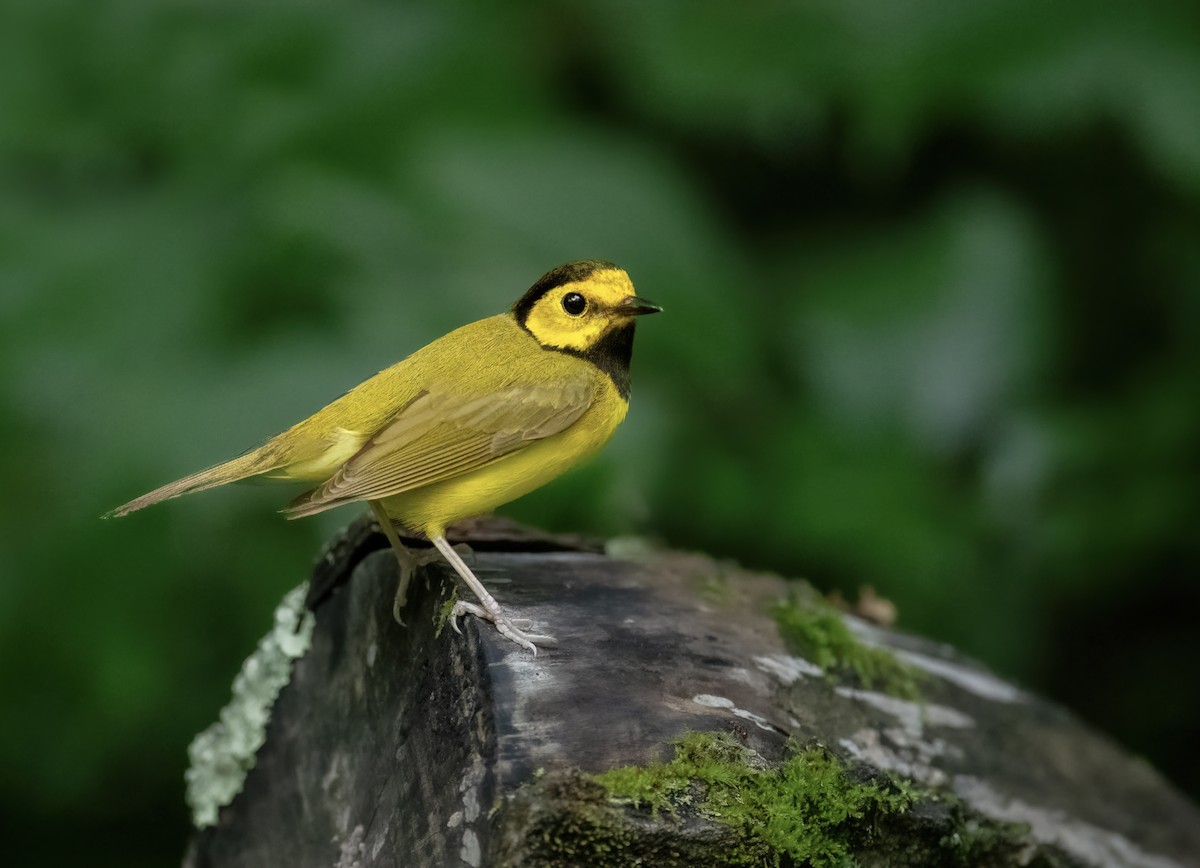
(611, 354)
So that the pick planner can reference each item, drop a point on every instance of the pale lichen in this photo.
(221, 755)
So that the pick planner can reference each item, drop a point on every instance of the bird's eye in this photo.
(574, 303)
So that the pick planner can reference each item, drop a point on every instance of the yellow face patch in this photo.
(577, 315)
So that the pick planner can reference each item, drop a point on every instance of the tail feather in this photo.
(242, 467)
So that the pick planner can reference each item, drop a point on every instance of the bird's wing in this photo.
(441, 434)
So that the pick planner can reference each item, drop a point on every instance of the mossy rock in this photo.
(717, 803)
(694, 714)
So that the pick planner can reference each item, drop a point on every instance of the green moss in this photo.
(716, 590)
(443, 615)
(818, 632)
(717, 803)
(809, 809)
(977, 842)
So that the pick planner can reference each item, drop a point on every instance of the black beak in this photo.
(634, 306)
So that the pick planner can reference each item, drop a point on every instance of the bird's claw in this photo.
(510, 628)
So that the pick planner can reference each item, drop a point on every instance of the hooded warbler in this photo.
(477, 418)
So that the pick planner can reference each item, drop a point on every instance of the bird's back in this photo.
(482, 358)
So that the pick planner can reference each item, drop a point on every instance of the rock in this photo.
(396, 746)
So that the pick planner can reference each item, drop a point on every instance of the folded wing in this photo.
(441, 434)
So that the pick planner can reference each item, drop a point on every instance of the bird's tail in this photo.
(252, 463)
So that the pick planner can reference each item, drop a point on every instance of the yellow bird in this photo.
(475, 419)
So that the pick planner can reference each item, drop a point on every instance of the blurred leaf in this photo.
(931, 323)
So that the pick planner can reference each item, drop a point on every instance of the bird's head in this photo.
(581, 306)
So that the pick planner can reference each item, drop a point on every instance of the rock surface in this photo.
(395, 746)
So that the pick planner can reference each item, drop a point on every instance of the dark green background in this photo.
(931, 276)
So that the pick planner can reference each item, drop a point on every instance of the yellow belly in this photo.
(432, 508)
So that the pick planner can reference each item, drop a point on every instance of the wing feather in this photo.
(440, 435)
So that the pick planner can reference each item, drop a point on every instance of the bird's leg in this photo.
(487, 607)
(410, 560)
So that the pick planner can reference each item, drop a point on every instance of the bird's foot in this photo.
(510, 628)
(413, 560)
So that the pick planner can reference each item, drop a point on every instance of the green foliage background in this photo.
(931, 278)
